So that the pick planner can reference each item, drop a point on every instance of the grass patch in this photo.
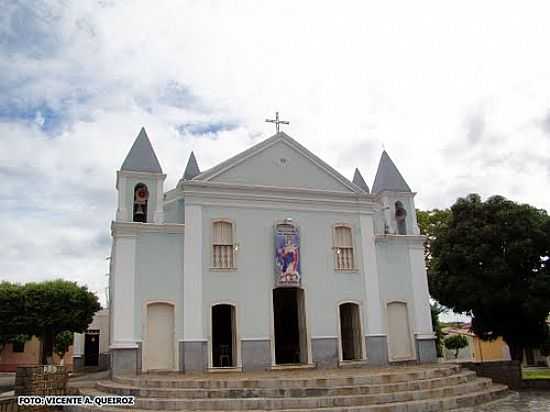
(537, 374)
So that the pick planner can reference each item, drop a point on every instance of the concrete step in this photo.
(446, 403)
(306, 380)
(311, 402)
(199, 393)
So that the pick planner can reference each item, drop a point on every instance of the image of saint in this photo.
(288, 256)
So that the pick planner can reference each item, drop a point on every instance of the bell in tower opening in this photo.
(401, 218)
(141, 196)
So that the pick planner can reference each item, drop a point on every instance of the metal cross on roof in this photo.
(277, 121)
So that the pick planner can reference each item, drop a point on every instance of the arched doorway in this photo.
(351, 335)
(399, 332)
(224, 336)
(158, 348)
(290, 326)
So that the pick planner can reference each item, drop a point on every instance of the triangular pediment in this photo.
(279, 161)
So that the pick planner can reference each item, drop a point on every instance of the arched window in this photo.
(401, 218)
(222, 245)
(141, 197)
(343, 248)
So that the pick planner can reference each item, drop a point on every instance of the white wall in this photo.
(251, 284)
(159, 275)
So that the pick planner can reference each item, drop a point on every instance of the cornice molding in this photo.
(120, 229)
(413, 240)
(390, 193)
(241, 195)
(184, 185)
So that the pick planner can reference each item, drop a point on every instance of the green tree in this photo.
(491, 261)
(46, 309)
(436, 309)
(63, 341)
(456, 342)
(11, 313)
(431, 223)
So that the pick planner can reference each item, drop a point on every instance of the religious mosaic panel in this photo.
(287, 256)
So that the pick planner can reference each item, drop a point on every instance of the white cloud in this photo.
(459, 96)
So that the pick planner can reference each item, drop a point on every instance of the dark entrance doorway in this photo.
(91, 348)
(350, 331)
(290, 326)
(223, 336)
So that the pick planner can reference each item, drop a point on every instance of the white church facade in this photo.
(271, 258)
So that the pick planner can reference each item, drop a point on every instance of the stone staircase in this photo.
(394, 389)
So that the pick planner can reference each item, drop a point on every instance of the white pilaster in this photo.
(422, 314)
(78, 345)
(122, 186)
(192, 275)
(158, 217)
(387, 210)
(123, 280)
(414, 229)
(375, 319)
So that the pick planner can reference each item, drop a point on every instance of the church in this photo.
(271, 259)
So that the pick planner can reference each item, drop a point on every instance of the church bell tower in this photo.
(140, 184)
(397, 199)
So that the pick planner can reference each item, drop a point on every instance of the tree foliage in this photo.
(63, 341)
(45, 309)
(11, 308)
(431, 223)
(491, 261)
(456, 342)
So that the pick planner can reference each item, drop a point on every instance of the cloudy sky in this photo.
(458, 94)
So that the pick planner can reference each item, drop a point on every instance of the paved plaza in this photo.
(523, 401)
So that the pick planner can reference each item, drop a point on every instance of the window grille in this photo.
(343, 247)
(222, 246)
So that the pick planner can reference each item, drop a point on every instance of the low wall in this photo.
(8, 404)
(40, 380)
(505, 372)
(537, 384)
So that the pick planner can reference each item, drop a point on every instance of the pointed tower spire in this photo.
(192, 168)
(359, 181)
(142, 157)
(388, 177)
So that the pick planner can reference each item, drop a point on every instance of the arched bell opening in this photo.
(141, 198)
(401, 218)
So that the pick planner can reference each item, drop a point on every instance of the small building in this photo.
(91, 349)
(27, 354)
(478, 350)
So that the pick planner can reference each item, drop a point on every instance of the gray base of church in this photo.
(125, 361)
(193, 356)
(78, 362)
(325, 352)
(104, 362)
(425, 350)
(377, 350)
(256, 355)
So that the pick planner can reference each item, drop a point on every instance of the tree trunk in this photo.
(46, 342)
(516, 351)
